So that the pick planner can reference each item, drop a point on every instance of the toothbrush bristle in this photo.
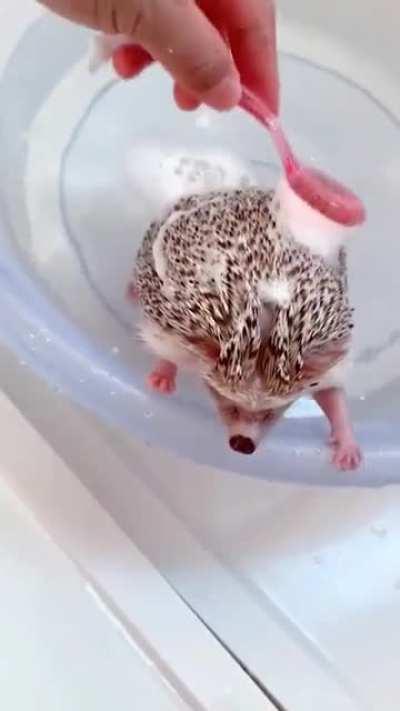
(328, 196)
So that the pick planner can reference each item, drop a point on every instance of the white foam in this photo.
(308, 226)
(275, 291)
(160, 174)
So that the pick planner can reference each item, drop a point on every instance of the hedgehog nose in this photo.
(242, 444)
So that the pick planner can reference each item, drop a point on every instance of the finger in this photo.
(251, 27)
(179, 35)
(185, 100)
(105, 15)
(346, 462)
(215, 11)
(130, 60)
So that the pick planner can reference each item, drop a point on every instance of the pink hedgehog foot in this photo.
(163, 378)
(347, 454)
(132, 293)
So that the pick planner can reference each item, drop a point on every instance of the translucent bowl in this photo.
(86, 163)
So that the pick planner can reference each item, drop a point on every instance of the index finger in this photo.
(251, 27)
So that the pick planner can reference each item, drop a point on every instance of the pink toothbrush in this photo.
(322, 193)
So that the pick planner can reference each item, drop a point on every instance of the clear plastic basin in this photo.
(86, 162)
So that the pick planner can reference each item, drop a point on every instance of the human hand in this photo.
(210, 47)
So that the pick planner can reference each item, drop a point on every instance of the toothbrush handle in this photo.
(131, 60)
(256, 108)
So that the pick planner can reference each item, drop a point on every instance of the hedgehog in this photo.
(248, 289)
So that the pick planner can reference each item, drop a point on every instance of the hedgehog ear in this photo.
(318, 360)
(207, 346)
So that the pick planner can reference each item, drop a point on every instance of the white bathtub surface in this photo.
(323, 566)
(58, 650)
(99, 628)
(302, 584)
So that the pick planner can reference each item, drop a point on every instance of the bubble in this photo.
(379, 531)
(203, 120)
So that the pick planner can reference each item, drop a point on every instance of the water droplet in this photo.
(82, 380)
(115, 350)
(228, 691)
(203, 120)
(362, 398)
(23, 363)
(112, 393)
(379, 531)
(32, 336)
(148, 415)
(318, 559)
(397, 585)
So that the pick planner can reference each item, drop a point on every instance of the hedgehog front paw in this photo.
(132, 293)
(347, 455)
(163, 378)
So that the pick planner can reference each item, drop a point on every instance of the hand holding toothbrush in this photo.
(221, 53)
(210, 47)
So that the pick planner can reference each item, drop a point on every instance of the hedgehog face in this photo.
(246, 426)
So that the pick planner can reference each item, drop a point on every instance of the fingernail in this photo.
(225, 95)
